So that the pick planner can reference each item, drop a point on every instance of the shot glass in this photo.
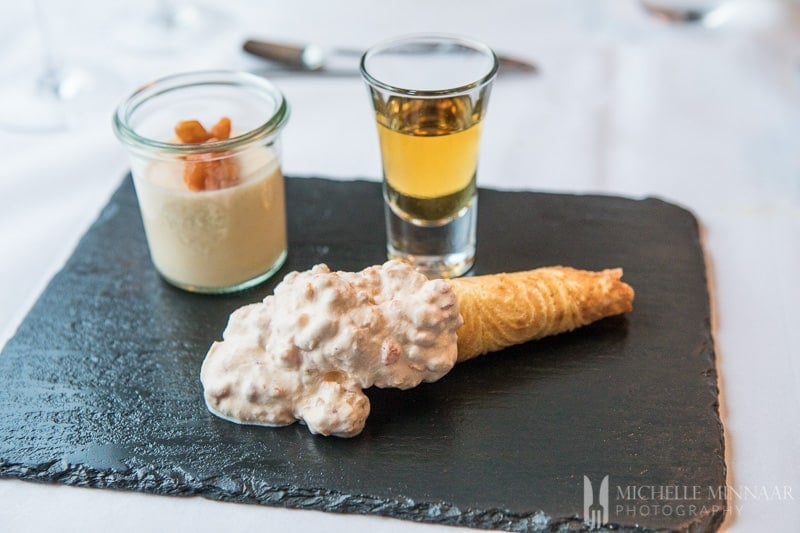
(213, 207)
(430, 94)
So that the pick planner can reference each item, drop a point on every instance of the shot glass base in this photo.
(437, 266)
(226, 289)
(443, 250)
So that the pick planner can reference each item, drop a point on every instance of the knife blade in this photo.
(300, 58)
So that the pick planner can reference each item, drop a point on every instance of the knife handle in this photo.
(280, 53)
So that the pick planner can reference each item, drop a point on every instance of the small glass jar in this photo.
(229, 232)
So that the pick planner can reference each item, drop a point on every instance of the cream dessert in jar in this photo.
(205, 157)
(213, 239)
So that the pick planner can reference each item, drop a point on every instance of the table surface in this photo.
(703, 115)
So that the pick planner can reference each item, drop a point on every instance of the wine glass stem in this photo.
(49, 81)
(167, 14)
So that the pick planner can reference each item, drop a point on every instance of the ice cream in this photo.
(306, 352)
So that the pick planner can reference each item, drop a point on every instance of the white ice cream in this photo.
(306, 352)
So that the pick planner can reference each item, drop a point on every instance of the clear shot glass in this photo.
(213, 210)
(430, 94)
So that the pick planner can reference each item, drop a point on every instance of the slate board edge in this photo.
(332, 501)
(179, 484)
(712, 377)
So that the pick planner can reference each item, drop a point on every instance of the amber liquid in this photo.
(429, 150)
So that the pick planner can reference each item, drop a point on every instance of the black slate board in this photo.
(100, 385)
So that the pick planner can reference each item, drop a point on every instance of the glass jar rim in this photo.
(160, 86)
(438, 38)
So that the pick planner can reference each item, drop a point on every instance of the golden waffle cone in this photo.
(502, 310)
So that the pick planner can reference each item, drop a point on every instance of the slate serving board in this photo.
(100, 385)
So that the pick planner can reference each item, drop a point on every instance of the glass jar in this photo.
(213, 209)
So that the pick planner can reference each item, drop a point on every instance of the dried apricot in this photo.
(210, 171)
(194, 175)
(191, 132)
(221, 174)
(222, 129)
(201, 173)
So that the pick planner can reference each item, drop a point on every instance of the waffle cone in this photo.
(502, 310)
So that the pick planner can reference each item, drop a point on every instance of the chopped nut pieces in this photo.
(211, 171)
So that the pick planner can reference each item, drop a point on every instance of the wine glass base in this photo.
(28, 105)
(169, 27)
(46, 102)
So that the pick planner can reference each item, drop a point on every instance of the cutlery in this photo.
(297, 58)
(673, 14)
(706, 14)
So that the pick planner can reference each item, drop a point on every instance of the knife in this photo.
(343, 61)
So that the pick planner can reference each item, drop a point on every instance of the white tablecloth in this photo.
(704, 116)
